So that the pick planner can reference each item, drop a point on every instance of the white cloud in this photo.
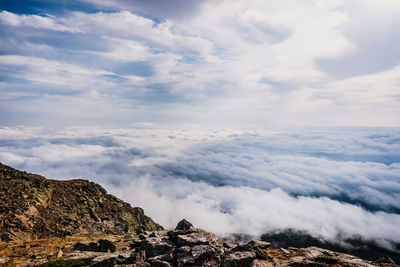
(225, 210)
(227, 181)
(378, 88)
(233, 63)
(126, 50)
(309, 31)
(55, 73)
(127, 25)
(34, 21)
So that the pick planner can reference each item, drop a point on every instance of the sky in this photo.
(248, 65)
(240, 116)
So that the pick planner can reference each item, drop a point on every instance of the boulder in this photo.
(155, 246)
(198, 237)
(202, 251)
(183, 225)
(206, 255)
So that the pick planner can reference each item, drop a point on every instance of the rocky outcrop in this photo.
(33, 207)
(189, 246)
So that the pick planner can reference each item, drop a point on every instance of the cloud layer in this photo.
(328, 182)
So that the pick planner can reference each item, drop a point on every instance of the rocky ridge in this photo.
(189, 246)
(33, 207)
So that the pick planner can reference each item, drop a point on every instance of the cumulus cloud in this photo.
(328, 182)
(228, 63)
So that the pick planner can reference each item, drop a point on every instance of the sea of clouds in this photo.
(329, 182)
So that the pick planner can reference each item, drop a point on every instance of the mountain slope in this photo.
(33, 207)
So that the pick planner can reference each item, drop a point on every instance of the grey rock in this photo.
(137, 259)
(200, 251)
(184, 225)
(314, 256)
(229, 245)
(184, 256)
(169, 256)
(206, 255)
(155, 246)
(239, 259)
(198, 237)
(259, 244)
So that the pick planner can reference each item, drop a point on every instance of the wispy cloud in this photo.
(34, 21)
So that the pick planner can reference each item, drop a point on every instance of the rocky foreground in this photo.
(45, 222)
(183, 246)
